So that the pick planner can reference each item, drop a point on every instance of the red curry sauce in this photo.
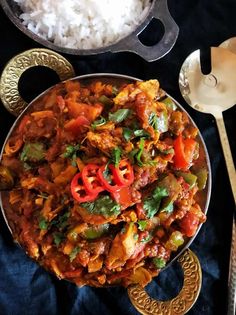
(107, 181)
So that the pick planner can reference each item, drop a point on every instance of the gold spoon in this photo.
(212, 94)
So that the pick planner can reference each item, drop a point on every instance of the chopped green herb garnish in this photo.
(58, 238)
(159, 262)
(127, 133)
(136, 236)
(98, 122)
(152, 203)
(115, 156)
(119, 115)
(71, 150)
(142, 224)
(140, 152)
(74, 253)
(43, 224)
(168, 208)
(141, 133)
(71, 153)
(103, 205)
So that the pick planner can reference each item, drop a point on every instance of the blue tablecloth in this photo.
(25, 288)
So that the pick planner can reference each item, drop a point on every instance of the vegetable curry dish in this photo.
(108, 181)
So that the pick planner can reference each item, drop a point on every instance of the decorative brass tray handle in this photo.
(13, 102)
(11, 74)
(182, 303)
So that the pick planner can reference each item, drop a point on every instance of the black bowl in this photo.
(158, 10)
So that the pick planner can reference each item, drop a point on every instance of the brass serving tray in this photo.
(13, 102)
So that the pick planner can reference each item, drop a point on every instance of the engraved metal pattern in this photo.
(232, 275)
(11, 74)
(179, 305)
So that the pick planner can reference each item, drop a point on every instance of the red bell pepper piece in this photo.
(78, 190)
(108, 182)
(184, 151)
(123, 174)
(90, 179)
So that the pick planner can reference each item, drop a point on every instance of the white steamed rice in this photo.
(83, 24)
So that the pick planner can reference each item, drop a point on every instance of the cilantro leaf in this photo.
(127, 134)
(71, 150)
(141, 133)
(98, 122)
(152, 203)
(140, 152)
(103, 205)
(119, 115)
(115, 156)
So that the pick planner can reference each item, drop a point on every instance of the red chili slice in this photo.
(90, 179)
(78, 190)
(108, 182)
(123, 173)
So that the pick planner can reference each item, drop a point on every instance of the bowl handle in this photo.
(12, 72)
(132, 43)
(182, 303)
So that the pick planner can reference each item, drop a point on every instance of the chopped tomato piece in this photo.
(91, 112)
(107, 179)
(123, 197)
(76, 126)
(78, 190)
(184, 152)
(189, 224)
(123, 173)
(90, 179)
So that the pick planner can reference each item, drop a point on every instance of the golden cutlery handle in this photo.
(182, 303)
(232, 177)
(227, 153)
(12, 72)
